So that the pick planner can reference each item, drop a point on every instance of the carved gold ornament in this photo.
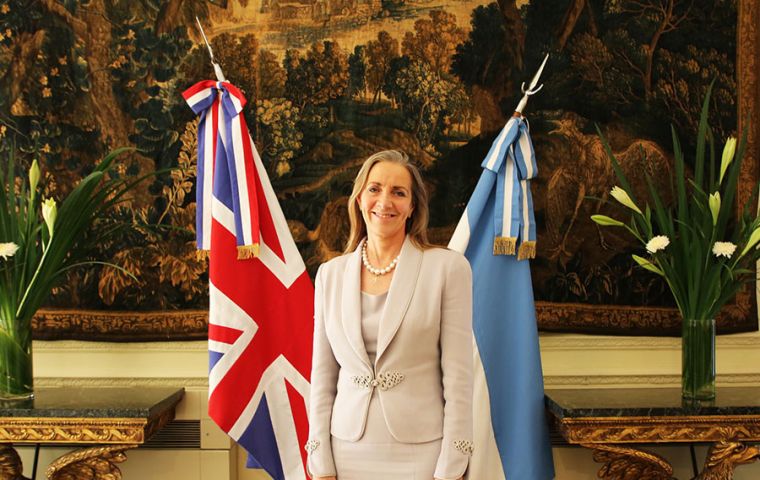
(74, 430)
(96, 463)
(624, 463)
(660, 430)
(724, 457)
(611, 440)
(10, 464)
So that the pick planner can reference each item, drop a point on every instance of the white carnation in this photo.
(657, 243)
(8, 250)
(724, 249)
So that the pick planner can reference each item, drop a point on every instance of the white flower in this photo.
(657, 243)
(622, 196)
(714, 204)
(724, 249)
(728, 155)
(8, 250)
(49, 212)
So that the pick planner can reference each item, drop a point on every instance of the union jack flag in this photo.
(261, 297)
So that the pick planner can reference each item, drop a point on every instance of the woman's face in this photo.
(386, 200)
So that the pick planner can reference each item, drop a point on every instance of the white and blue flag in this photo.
(496, 233)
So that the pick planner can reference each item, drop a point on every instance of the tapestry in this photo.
(329, 82)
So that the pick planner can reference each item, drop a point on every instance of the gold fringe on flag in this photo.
(246, 252)
(526, 250)
(201, 255)
(504, 245)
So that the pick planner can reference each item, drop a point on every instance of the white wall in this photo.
(568, 361)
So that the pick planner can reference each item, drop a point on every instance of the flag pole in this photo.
(217, 67)
(532, 89)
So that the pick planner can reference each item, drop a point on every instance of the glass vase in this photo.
(16, 381)
(698, 359)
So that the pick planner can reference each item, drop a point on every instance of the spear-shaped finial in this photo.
(217, 67)
(532, 87)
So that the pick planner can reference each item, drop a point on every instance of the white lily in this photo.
(49, 212)
(714, 203)
(728, 155)
(34, 179)
(622, 196)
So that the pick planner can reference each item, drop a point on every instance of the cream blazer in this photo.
(423, 366)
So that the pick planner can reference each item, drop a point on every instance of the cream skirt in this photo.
(379, 456)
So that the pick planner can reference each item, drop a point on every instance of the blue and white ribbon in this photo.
(513, 160)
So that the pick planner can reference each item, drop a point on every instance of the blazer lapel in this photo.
(351, 307)
(400, 295)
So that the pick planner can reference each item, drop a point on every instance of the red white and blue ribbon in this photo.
(221, 125)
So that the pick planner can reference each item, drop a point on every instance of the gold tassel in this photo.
(201, 255)
(504, 245)
(246, 252)
(527, 250)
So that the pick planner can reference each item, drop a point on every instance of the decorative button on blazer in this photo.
(423, 366)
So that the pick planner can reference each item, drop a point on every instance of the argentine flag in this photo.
(496, 233)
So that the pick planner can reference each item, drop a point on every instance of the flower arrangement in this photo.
(693, 245)
(703, 253)
(39, 241)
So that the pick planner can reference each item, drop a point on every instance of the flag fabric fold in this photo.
(260, 294)
(510, 430)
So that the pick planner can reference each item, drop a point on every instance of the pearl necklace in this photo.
(377, 271)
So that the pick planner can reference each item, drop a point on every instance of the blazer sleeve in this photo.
(456, 365)
(324, 385)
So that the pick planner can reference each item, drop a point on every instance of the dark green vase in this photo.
(698, 359)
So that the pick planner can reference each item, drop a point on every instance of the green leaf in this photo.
(615, 165)
(663, 222)
(680, 174)
(699, 164)
(647, 265)
(712, 183)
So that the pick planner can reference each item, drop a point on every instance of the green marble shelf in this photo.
(120, 402)
(103, 422)
(649, 402)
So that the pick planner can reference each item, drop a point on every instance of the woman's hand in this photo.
(324, 478)
(460, 478)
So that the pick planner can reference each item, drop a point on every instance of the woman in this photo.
(391, 391)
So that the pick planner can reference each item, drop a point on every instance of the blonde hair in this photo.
(416, 225)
